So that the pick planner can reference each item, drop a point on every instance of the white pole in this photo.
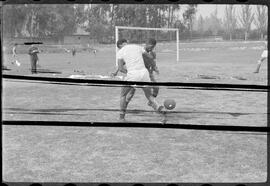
(116, 39)
(177, 45)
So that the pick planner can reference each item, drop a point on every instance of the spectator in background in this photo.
(33, 51)
(73, 51)
(264, 56)
(14, 55)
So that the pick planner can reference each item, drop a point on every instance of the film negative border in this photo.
(263, 2)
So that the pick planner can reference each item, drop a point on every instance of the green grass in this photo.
(74, 154)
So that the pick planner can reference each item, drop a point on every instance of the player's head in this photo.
(15, 44)
(121, 42)
(150, 44)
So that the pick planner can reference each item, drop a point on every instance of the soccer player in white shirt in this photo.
(130, 62)
(263, 57)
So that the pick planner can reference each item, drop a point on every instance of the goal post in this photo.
(176, 30)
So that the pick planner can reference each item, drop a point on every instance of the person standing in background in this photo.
(14, 55)
(33, 51)
(263, 57)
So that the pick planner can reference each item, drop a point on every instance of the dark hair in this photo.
(120, 42)
(152, 41)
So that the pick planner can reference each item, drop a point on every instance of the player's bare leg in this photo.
(154, 89)
(259, 65)
(130, 95)
(154, 104)
(124, 100)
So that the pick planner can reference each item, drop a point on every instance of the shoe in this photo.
(160, 109)
(149, 104)
(164, 121)
(122, 118)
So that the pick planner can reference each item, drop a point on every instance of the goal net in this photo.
(167, 38)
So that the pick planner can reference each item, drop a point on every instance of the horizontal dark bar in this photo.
(113, 82)
(139, 125)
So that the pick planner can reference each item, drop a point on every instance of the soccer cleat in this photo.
(160, 109)
(164, 120)
(122, 118)
(149, 104)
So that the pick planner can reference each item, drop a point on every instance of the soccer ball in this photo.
(169, 104)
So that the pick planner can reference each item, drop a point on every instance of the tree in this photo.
(246, 18)
(188, 16)
(13, 19)
(215, 23)
(261, 19)
(230, 20)
(96, 24)
(201, 25)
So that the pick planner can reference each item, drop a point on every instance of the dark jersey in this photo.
(73, 51)
(33, 51)
(149, 63)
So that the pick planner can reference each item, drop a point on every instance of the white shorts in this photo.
(138, 75)
(264, 54)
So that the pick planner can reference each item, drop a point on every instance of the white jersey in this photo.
(264, 54)
(132, 55)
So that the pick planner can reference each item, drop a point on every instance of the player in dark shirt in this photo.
(73, 51)
(150, 64)
(33, 51)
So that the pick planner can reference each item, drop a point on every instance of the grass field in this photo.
(74, 154)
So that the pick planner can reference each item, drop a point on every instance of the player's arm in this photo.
(120, 63)
(37, 50)
(155, 68)
(154, 63)
(148, 60)
(121, 66)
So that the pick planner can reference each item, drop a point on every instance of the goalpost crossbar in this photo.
(145, 28)
(117, 28)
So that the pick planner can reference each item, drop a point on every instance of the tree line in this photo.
(99, 20)
(236, 25)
